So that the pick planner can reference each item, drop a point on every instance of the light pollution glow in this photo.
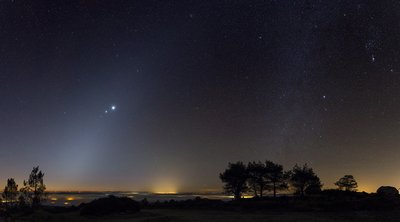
(172, 186)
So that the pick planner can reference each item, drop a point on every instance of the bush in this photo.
(313, 189)
(388, 192)
(110, 205)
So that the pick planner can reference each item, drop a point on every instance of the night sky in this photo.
(161, 95)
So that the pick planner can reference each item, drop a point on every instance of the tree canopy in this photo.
(277, 178)
(257, 177)
(235, 179)
(303, 177)
(347, 183)
(10, 192)
(34, 188)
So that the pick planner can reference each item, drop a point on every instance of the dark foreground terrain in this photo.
(164, 215)
(325, 207)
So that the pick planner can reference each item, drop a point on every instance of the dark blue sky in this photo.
(197, 84)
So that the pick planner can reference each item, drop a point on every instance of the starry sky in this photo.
(161, 95)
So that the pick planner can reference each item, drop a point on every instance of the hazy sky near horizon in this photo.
(161, 95)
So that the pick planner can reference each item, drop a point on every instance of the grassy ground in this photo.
(214, 216)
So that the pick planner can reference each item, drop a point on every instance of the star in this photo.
(111, 109)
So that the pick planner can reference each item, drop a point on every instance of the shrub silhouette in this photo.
(110, 205)
(313, 189)
(387, 192)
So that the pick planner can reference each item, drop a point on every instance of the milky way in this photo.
(161, 95)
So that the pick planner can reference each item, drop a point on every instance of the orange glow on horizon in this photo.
(165, 192)
(165, 186)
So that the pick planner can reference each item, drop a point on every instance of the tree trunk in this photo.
(274, 189)
(237, 196)
(255, 190)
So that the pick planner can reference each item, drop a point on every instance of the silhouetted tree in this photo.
(25, 197)
(10, 192)
(22, 199)
(313, 189)
(34, 189)
(257, 177)
(347, 183)
(275, 176)
(303, 177)
(235, 179)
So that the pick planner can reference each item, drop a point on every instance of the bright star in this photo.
(113, 107)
